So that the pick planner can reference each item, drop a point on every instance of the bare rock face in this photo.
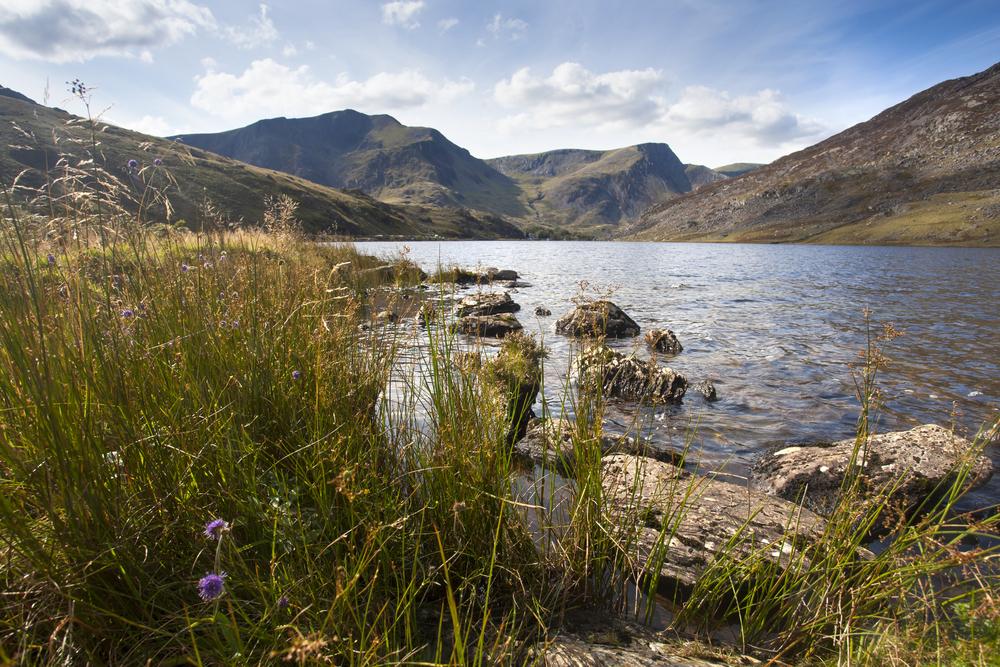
(549, 442)
(702, 518)
(921, 460)
(597, 318)
(486, 303)
(625, 376)
(663, 340)
(488, 326)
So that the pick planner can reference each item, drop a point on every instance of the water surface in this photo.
(776, 327)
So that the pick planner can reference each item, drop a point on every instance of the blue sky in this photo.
(719, 81)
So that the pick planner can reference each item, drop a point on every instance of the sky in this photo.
(720, 81)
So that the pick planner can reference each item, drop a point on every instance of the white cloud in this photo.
(270, 88)
(512, 27)
(402, 13)
(573, 95)
(154, 125)
(762, 116)
(289, 51)
(77, 30)
(447, 24)
(258, 31)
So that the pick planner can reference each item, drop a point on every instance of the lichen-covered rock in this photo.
(664, 341)
(703, 518)
(916, 462)
(516, 372)
(486, 303)
(707, 389)
(625, 376)
(597, 318)
(488, 326)
(549, 442)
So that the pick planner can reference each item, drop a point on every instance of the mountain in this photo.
(400, 164)
(595, 189)
(34, 137)
(699, 175)
(925, 171)
(376, 154)
(737, 168)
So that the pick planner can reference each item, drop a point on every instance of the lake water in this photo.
(776, 327)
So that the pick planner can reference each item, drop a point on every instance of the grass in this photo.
(153, 380)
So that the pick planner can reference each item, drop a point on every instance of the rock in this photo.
(516, 373)
(592, 639)
(707, 389)
(703, 517)
(502, 274)
(486, 303)
(921, 459)
(625, 376)
(543, 312)
(488, 326)
(663, 340)
(597, 318)
(387, 317)
(426, 314)
(549, 442)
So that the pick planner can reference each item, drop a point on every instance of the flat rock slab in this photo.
(921, 460)
(486, 303)
(488, 326)
(549, 443)
(702, 518)
(626, 376)
(597, 318)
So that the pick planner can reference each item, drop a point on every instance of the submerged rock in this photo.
(625, 376)
(549, 442)
(917, 462)
(486, 303)
(543, 312)
(488, 326)
(501, 274)
(663, 340)
(597, 318)
(387, 317)
(702, 518)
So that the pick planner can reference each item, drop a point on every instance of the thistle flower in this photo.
(185, 267)
(296, 375)
(210, 586)
(128, 313)
(215, 528)
(157, 162)
(235, 324)
(283, 602)
(133, 164)
(51, 259)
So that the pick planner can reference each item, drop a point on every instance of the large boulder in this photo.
(626, 376)
(486, 303)
(488, 326)
(516, 373)
(701, 519)
(597, 318)
(663, 341)
(549, 442)
(916, 462)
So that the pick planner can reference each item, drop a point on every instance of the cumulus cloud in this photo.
(762, 116)
(77, 30)
(447, 24)
(267, 87)
(258, 31)
(574, 95)
(512, 27)
(156, 126)
(402, 13)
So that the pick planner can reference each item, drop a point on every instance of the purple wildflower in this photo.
(283, 602)
(215, 528)
(157, 161)
(222, 324)
(236, 324)
(128, 313)
(51, 259)
(296, 375)
(185, 267)
(133, 164)
(211, 585)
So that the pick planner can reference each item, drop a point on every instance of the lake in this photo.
(776, 327)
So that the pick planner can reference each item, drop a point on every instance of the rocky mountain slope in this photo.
(33, 138)
(699, 175)
(375, 154)
(926, 171)
(595, 189)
